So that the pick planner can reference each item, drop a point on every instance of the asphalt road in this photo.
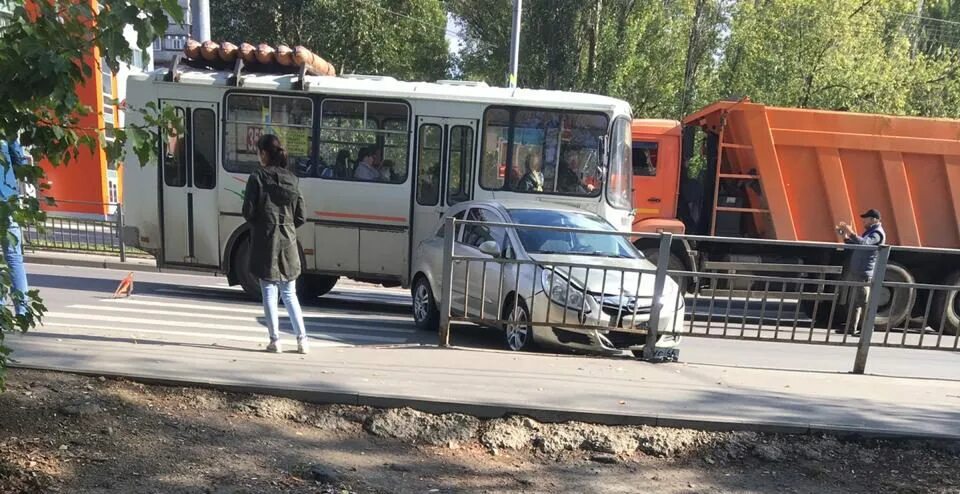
(201, 310)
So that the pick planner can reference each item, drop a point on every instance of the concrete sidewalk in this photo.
(547, 387)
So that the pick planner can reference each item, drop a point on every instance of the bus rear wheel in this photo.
(313, 286)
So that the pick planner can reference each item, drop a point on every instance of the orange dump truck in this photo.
(742, 169)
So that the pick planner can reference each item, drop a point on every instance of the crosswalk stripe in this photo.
(234, 310)
(339, 295)
(325, 341)
(180, 324)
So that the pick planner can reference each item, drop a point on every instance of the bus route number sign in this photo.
(253, 135)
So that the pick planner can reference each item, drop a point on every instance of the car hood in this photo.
(613, 281)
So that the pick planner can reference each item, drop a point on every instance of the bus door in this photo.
(188, 180)
(444, 162)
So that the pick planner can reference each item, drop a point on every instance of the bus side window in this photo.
(204, 134)
(460, 161)
(428, 164)
(175, 154)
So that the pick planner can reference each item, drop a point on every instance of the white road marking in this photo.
(325, 341)
(235, 310)
(226, 327)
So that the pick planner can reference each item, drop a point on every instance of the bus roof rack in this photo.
(450, 82)
(368, 77)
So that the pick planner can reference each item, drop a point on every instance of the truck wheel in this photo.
(673, 263)
(896, 304)
(241, 270)
(315, 286)
(945, 309)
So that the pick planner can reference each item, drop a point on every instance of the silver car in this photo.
(548, 287)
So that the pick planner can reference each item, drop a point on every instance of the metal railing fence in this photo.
(78, 233)
(810, 304)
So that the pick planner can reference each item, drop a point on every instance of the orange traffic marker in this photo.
(126, 287)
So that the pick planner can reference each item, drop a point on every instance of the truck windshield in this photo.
(543, 151)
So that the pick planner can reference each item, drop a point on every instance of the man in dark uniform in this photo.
(862, 262)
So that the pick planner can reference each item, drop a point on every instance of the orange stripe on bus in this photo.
(373, 217)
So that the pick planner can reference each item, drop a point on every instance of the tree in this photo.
(46, 54)
(643, 52)
(401, 38)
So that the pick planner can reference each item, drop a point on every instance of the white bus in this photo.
(441, 143)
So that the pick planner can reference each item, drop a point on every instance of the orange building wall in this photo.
(81, 186)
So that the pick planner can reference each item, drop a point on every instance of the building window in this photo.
(251, 116)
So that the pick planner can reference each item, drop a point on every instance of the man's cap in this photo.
(871, 213)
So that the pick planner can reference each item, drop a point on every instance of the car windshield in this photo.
(556, 242)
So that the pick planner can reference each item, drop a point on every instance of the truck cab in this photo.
(656, 175)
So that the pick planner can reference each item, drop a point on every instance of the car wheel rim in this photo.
(517, 330)
(421, 303)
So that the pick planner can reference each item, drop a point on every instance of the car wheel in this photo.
(517, 332)
(241, 267)
(425, 313)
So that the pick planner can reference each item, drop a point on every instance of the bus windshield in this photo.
(543, 151)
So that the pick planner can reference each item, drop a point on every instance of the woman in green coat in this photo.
(273, 206)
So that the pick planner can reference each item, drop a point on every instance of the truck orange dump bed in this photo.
(816, 168)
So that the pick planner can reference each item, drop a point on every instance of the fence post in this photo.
(446, 283)
(123, 250)
(663, 260)
(873, 301)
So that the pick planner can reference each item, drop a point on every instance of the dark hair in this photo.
(276, 155)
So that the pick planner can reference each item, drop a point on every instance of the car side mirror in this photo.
(490, 248)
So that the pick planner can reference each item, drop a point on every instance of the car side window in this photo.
(474, 235)
(458, 216)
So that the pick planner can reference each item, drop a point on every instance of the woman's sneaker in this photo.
(302, 347)
(274, 347)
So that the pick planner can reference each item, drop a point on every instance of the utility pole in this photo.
(201, 19)
(515, 44)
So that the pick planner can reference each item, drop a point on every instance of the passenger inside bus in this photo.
(532, 181)
(568, 178)
(369, 164)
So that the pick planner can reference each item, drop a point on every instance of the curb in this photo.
(542, 414)
(90, 262)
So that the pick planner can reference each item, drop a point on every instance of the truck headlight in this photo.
(562, 292)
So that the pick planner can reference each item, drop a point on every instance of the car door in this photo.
(485, 287)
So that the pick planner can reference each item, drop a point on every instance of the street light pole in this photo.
(515, 44)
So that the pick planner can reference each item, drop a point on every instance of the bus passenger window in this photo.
(428, 164)
(204, 134)
(378, 129)
(175, 154)
(644, 159)
(542, 151)
(250, 116)
(460, 161)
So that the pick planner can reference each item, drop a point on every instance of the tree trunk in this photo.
(693, 51)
